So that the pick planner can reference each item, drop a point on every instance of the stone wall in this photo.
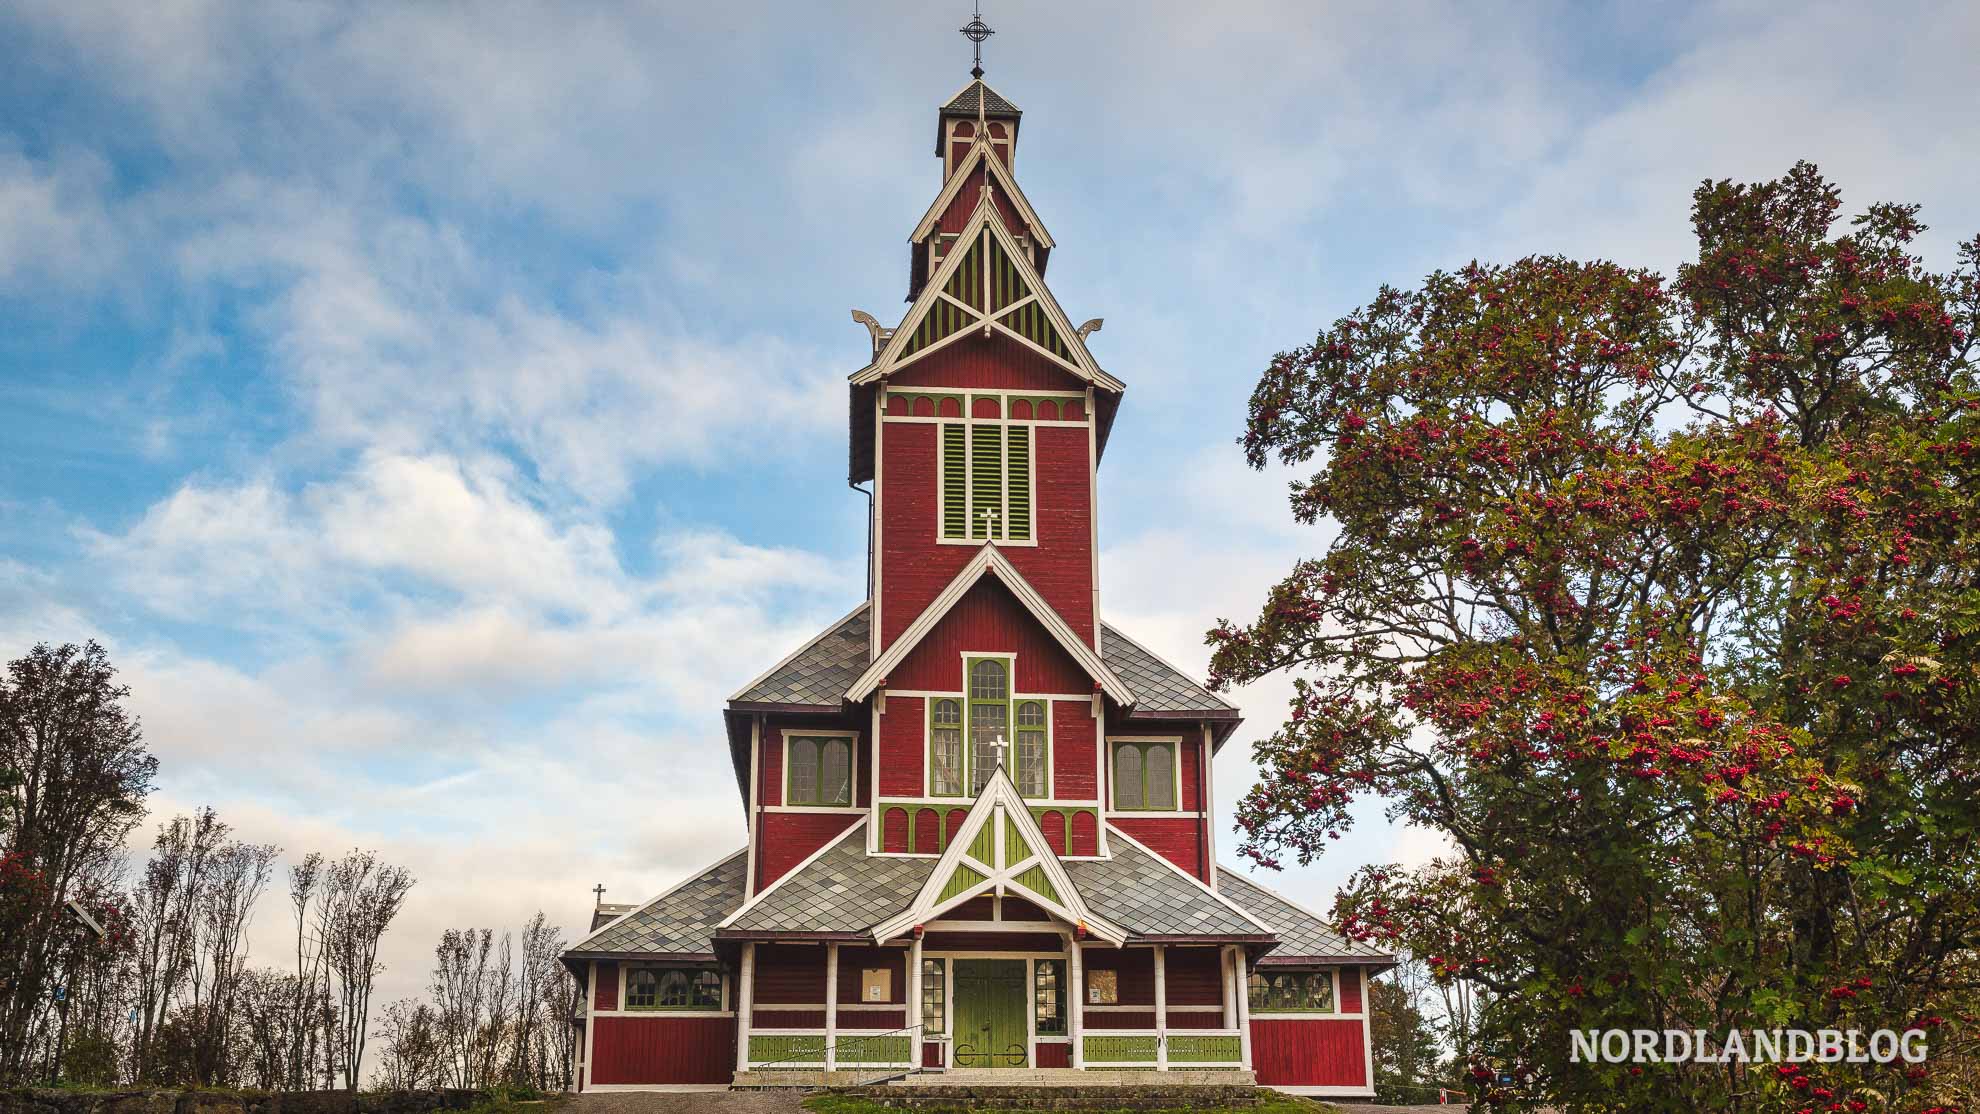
(233, 1102)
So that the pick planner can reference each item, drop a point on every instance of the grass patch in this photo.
(1269, 1103)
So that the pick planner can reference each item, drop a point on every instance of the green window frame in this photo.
(1145, 775)
(1049, 997)
(1033, 750)
(934, 997)
(1292, 992)
(673, 988)
(818, 770)
(945, 748)
(985, 464)
(987, 681)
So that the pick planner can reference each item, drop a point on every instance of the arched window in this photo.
(1127, 777)
(674, 990)
(640, 986)
(945, 757)
(989, 718)
(1159, 774)
(1144, 776)
(657, 988)
(820, 771)
(1031, 753)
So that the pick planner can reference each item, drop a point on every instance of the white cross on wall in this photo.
(989, 517)
(1001, 746)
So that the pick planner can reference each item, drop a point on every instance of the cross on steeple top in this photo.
(976, 31)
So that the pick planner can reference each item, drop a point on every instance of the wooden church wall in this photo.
(989, 620)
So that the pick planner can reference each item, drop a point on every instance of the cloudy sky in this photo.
(438, 409)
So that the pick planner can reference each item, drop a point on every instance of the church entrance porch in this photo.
(990, 1027)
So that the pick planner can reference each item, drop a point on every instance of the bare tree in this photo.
(460, 981)
(414, 1056)
(366, 896)
(167, 923)
(238, 876)
(304, 878)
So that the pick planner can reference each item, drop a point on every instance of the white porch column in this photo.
(915, 1021)
(1244, 1009)
(1161, 1009)
(745, 995)
(1076, 1009)
(831, 1007)
(1228, 1020)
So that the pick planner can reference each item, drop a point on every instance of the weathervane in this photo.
(976, 31)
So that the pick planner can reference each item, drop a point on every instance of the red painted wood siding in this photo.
(1309, 1053)
(1196, 1019)
(993, 942)
(607, 996)
(785, 839)
(790, 973)
(1085, 834)
(763, 1018)
(989, 620)
(894, 830)
(1350, 990)
(1056, 1054)
(1194, 977)
(1137, 973)
(1178, 840)
(1108, 1019)
(904, 743)
(853, 960)
(872, 1019)
(1073, 732)
(994, 363)
(663, 1050)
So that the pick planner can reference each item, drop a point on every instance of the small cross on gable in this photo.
(989, 517)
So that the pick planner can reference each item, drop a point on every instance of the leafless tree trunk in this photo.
(460, 978)
(303, 880)
(368, 895)
(238, 877)
(167, 923)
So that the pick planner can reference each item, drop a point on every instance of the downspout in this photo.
(870, 586)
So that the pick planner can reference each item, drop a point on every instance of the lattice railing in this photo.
(804, 1050)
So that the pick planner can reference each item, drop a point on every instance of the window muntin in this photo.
(934, 996)
(1292, 992)
(1144, 776)
(1031, 753)
(820, 771)
(989, 717)
(985, 480)
(1049, 997)
(945, 753)
(665, 988)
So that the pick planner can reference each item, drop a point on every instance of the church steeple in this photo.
(976, 106)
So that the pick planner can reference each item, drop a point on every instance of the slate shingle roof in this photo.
(843, 890)
(821, 671)
(678, 922)
(1301, 934)
(994, 104)
(1158, 686)
(1147, 897)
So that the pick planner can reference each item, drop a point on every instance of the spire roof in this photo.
(978, 93)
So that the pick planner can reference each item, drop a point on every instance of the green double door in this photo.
(990, 1018)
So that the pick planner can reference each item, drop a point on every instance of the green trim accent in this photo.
(986, 479)
(1114, 750)
(984, 847)
(1017, 517)
(1036, 881)
(970, 703)
(991, 1007)
(1203, 1049)
(964, 877)
(1043, 729)
(1031, 322)
(1016, 850)
(887, 1050)
(787, 1049)
(1119, 1050)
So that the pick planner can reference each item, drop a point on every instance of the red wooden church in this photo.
(980, 830)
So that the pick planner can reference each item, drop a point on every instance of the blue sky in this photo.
(438, 409)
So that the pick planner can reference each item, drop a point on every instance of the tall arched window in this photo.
(945, 755)
(1144, 776)
(1031, 748)
(989, 718)
(820, 771)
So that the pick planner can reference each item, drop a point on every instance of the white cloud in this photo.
(54, 229)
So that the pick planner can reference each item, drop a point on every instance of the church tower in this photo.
(981, 818)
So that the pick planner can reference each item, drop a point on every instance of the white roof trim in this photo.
(789, 874)
(1197, 882)
(999, 797)
(794, 654)
(985, 216)
(980, 150)
(652, 901)
(990, 560)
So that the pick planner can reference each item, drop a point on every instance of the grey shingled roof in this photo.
(843, 890)
(965, 102)
(1147, 897)
(1301, 934)
(679, 922)
(1158, 686)
(821, 671)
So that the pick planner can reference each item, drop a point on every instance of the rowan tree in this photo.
(1660, 600)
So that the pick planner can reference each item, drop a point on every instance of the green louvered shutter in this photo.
(986, 481)
(1018, 520)
(955, 493)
